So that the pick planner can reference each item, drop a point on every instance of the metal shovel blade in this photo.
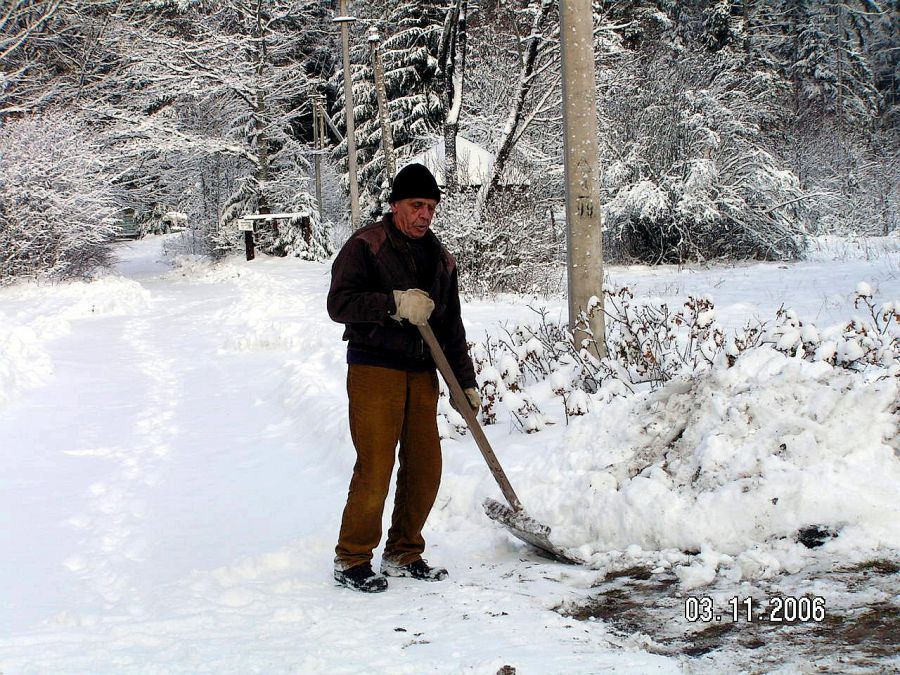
(526, 528)
(513, 517)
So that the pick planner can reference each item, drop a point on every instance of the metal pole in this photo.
(583, 216)
(319, 146)
(345, 22)
(315, 124)
(384, 117)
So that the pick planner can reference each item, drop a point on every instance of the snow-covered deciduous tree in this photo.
(56, 202)
(519, 250)
(45, 53)
(452, 67)
(510, 104)
(687, 170)
(224, 82)
(538, 55)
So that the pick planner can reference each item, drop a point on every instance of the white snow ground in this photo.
(174, 459)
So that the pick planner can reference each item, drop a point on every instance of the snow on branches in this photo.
(689, 172)
(535, 367)
(56, 203)
(862, 344)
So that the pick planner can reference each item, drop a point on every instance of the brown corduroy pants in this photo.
(388, 406)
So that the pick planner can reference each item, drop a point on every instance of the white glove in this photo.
(472, 396)
(413, 305)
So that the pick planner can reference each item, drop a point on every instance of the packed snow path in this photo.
(171, 495)
(174, 457)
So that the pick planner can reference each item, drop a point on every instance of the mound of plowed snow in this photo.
(738, 464)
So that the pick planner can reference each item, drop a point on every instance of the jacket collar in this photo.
(401, 242)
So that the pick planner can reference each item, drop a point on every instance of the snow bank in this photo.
(23, 363)
(829, 248)
(733, 465)
(43, 313)
(200, 269)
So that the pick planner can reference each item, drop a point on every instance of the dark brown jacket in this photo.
(374, 262)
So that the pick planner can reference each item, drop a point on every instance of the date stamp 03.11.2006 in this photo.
(777, 609)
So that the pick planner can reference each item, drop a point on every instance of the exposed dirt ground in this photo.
(858, 630)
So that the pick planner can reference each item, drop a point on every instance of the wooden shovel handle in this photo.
(465, 409)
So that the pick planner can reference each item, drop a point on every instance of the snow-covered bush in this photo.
(499, 370)
(491, 385)
(450, 423)
(861, 344)
(56, 205)
(689, 174)
(649, 344)
(515, 250)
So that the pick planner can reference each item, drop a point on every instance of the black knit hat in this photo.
(414, 180)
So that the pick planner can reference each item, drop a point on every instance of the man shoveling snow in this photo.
(387, 279)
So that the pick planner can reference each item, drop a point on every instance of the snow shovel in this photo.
(513, 517)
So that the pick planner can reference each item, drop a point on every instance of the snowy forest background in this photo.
(728, 129)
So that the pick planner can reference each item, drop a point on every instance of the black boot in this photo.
(361, 578)
(419, 569)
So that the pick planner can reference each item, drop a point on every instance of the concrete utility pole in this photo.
(583, 216)
(384, 116)
(345, 22)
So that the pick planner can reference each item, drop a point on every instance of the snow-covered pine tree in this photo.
(841, 143)
(411, 34)
(883, 50)
(821, 47)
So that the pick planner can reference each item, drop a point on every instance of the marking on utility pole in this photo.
(583, 171)
(585, 206)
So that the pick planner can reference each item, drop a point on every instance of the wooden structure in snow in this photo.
(248, 223)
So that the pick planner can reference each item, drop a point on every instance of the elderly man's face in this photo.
(413, 216)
